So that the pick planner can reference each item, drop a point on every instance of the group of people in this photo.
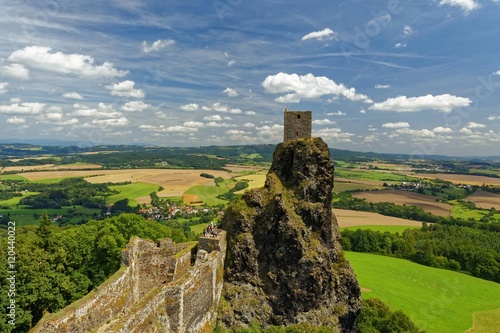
(210, 230)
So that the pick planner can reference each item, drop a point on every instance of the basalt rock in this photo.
(284, 264)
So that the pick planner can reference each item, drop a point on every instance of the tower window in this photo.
(297, 133)
(298, 116)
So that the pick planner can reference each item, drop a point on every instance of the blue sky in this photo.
(416, 77)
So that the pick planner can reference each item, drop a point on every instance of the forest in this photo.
(56, 266)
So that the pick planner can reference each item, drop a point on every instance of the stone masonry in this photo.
(156, 290)
(297, 125)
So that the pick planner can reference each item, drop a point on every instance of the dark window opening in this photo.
(298, 116)
(297, 133)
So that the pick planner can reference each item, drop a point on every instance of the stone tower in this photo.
(297, 125)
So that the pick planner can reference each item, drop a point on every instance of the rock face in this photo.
(284, 264)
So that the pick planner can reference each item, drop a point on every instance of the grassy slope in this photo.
(131, 191)
(436, 300)
(208, 194)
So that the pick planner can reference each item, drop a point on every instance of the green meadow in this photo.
(11, 177)
(345, 186)
(131, 191)
(436, 300)
(372, 175)
(26, 216)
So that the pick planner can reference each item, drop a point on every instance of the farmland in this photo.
(436, 300)
(484, 199)
(174, 181)
(352, 218)
(461, 179)
(427, 203)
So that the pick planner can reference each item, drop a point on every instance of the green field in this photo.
(25, 216)
(344, 186)
(198, 228)
(382, 228)
(372, 175)
(461, 211)
(436, 300)
(48, 180)
(13, 202)
(12, 177)
(131, 191)
(208, 194)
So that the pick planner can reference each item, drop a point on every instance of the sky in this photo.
(394, 76)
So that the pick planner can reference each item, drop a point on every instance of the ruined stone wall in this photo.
(297, 125)
(180, 298)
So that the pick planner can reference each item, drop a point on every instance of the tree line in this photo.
(458, 248)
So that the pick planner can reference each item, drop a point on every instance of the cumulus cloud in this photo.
(102, 111)
(230, 92)
(214, 117)
(308, 86)
(493, 117)
(422, 133)
(40, 57)
(169, 129)
(193, 124)
(408, 30)
(23, 108)
(3, 87)
(382, 86)
(474, 125)
(231, 63)
(497, 73)
(466, 5)
(400, 45)
(218, 107)
(323, 122)
(157, 45)
(442, 103)
(15, 71)
(16, 120)
(441, 129)
(325, 34)
(190, 107)
(125, 89)
(113, 122)
(396, 125)
(334, 134)
(135, 106)
(72, 95)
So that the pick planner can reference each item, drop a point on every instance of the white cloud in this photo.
(170, 129)
(408, 30)
(193, 124)
(214, 117)
(103, 111)
(338, 113)
(72, 95)
(250, 113)
(466, 5)
(125, 89)
(382, 86)
(16, 120)
(325, 34)
(274, 132)
(218, 107)
(15, 71)
(396, 125)
(249, 125)
(157, 45)
(22, 108)
(493, 117)
(190, 107)
(400, 45)
(39, 57)
(216, 124)
(423, 133)
(474, 125)
(15, 100)
(3, 87)
(333, 134)
(114, 122)
(307, 86)
(135, 106)
(442, 103)
(237, 132)
(496, 73)
(441, 129)
(230, 92)
(231, 62)
(323, 122)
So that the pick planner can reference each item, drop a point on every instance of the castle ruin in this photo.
(297, 125)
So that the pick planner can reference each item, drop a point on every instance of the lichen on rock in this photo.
(284, 264)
